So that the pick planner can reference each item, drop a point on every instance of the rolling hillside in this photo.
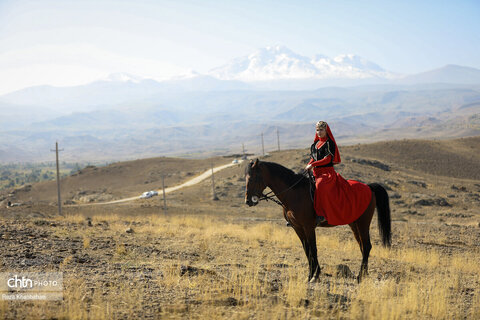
(452, 159)
(459, 158)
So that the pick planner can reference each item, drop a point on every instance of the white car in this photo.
(148, 194)
(235, 161)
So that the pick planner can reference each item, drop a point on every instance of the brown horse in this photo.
(293, 191)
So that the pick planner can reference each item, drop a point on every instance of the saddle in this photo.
(313, 187)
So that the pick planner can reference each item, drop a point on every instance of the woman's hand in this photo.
(308, 167)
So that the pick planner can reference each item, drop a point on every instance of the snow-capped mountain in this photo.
(280, 63)
(122, 77)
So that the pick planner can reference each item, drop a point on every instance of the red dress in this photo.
(340, 201)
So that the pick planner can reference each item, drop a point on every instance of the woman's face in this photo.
(321, 132)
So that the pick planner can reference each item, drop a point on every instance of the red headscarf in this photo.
(336, 158)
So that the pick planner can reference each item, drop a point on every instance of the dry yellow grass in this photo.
(212, 267)
(220, 259)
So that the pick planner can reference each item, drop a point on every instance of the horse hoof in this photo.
(360, 277)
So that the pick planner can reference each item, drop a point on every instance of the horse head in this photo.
(254, 183)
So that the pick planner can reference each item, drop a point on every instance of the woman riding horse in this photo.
(340, 201)
(337, 200)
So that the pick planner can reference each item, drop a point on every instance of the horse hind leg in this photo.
(361, 230)
(366, 247)
(363, 239)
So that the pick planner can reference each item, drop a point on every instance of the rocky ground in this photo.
(222, 259)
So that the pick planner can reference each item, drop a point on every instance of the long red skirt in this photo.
(340, 201)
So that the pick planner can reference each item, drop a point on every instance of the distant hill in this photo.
(458, 158)
(208, 123)
(121, 179)
(447, 74)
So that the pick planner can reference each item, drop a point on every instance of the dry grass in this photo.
(209, 266)
(221, 259)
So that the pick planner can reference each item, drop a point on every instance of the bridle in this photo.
(271, 196)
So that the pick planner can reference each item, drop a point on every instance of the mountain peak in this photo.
(269, 63)
(122, 77)
(280, 63)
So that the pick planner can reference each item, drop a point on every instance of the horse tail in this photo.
(383, 209)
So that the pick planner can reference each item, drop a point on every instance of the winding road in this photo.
(189, 183)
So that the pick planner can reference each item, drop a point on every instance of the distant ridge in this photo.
(447, 74)
(127, 178)
(457, 158)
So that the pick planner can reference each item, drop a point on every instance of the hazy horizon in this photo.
(60, 43)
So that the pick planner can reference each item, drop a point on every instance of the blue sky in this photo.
(72, 42)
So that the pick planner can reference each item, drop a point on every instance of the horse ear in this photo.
(255, 163)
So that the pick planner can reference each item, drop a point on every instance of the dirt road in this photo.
(189, 183)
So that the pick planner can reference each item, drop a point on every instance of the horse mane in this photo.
(285, 174)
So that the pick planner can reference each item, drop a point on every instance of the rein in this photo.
(271, 196)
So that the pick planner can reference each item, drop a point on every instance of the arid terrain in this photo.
(222, 259)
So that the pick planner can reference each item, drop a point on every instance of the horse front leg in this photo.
(312, 254)
(306, 249)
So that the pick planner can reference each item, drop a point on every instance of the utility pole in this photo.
(58, 178)
(214, 195)
(278, 140)
(164, 198)
(243, 152)
(263, 146)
